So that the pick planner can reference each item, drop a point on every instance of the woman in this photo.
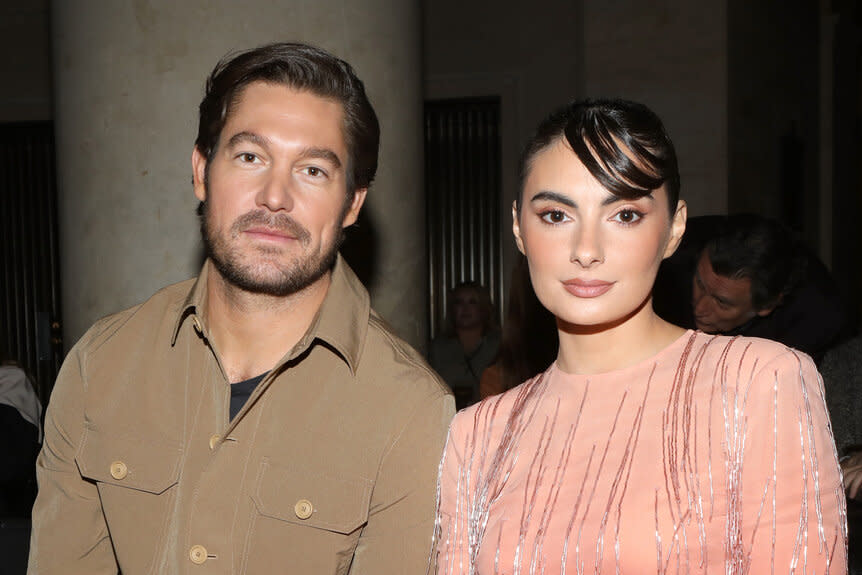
(644, 448)
(469, 344)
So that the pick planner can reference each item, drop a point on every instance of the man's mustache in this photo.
(280, 222)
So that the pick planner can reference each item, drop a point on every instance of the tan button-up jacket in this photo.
(330, 467)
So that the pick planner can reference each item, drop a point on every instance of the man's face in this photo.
(274, 193)
(720, 304)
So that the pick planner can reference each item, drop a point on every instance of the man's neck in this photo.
(251, 331)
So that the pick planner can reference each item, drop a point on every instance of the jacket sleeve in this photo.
(791, 506)
(398, 536)
(69, 533)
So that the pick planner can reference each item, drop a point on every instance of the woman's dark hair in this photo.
(300, 67)
(529, 341)
(623, 144)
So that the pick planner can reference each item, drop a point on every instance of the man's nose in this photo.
(702, 305)
(277, 191)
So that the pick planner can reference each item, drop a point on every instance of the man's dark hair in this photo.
(623, 144)
(762, 250)
(300, 67)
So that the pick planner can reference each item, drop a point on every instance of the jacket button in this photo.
(214, 440)
(119, 470)
(303, 509)
(198, 554)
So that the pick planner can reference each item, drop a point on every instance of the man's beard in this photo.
(266, 278)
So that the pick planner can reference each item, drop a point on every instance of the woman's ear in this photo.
(516, 227)
(677, 228)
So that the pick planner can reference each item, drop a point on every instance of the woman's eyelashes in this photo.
(553, 216)
(628, 216)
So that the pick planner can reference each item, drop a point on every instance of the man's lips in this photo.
(269, 233)
(587, 288)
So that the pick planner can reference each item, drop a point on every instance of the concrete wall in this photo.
(129, 77)
(672, 56)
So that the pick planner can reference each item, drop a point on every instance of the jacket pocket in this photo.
(129, 462)
(320, 514)
(306, 497)
(135, 477)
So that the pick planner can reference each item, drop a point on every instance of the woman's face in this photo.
(593, 256)
(466, 308)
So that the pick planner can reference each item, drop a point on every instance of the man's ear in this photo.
(516, 227)
(771, 307)
(199, 170)
(352, 213)
(677, 228)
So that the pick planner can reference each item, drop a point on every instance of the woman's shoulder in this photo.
(490, 416)
(747, 356)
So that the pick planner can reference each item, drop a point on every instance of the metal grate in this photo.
(29, 266)
(462, 187)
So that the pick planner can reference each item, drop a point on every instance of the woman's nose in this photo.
(587, 249)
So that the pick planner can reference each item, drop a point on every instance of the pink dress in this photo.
(714, 456)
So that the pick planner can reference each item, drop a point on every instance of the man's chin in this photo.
(705, 327)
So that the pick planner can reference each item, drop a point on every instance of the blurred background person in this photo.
(20, 438)
(745, 274)
(469, 344)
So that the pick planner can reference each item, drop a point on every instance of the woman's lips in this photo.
(587, 288)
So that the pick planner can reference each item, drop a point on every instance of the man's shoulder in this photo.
(152, 314)
(392, 361)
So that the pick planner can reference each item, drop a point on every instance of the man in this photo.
(745, 274)
(261, 419)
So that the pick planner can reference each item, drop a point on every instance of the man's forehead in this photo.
(733, 290)
(261, 106)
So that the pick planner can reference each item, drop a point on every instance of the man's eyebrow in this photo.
(323, 154)
(249, 137)
(554, 197)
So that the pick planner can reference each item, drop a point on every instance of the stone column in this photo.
(129, 77)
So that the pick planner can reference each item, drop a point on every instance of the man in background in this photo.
(747, 275)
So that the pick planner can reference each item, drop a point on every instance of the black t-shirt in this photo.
(241, 391)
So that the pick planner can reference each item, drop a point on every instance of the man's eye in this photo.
(248, 157)
(627, 216)
(314, 171)
(554, 217)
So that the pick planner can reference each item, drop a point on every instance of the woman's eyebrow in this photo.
(554, 197)
(612, 199)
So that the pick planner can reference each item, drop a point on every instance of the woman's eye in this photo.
(627, 216)
(554, 217)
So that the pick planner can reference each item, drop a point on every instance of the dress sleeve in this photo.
(791, 509)
(453, 506)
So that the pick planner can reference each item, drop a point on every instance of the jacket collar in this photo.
(341, 322)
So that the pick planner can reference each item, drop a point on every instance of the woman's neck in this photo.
(590, 351)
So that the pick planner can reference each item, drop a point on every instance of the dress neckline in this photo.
(673, 348)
